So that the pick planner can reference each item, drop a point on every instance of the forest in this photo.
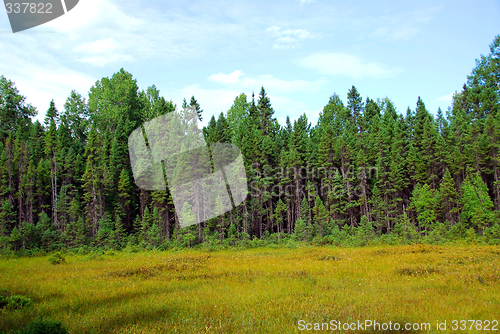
(365, 173)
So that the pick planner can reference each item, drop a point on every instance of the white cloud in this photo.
(40, 75)
(50, 82)
(447, 98)
(92, 13)
(337, 63)
(226, 78)
(99, 46)
(284, 106)
(215, 101)
(272, 83)
(212, 101)
(236, 80)
(105, 60)
(283, 46)
(101, 53)
(288, 38)
(403, 25)
(305, 1)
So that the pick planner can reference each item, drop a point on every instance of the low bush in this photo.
(41, 326)
(57, 258)
(13, 301)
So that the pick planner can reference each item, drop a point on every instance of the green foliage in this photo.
(492, 234)
(424, 202)
(302, 231)
(57, 258)
(40, 326)
(14, 301)
(477, 204)
(364, 173)
(365, 232)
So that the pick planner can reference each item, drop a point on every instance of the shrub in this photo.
(4, 301)
(13, 301)
(17, 301)
(40, 326)
(492, 234)
(438, 234)
(57, 258)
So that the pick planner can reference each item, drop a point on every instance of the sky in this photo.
(300, 51)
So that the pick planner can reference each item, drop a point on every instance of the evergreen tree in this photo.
(477, 205)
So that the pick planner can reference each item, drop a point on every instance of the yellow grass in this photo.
(256, 291)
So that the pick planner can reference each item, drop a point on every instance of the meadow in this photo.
(263, 290)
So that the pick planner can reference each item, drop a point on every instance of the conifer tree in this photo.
(278, 215)
(450, 198)
(320, 217)
(477, 205)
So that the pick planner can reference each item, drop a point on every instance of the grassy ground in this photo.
(256, 291)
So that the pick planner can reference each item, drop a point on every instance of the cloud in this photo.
(99, 46)
(337, 63)
(101, 53)
(212, 101)
(226, 78)
(403, 25)
(272, 83)
(288, 38)
(447, 98)
(215, 101)
(305, 1)
(237, 80)
(49, 83)
(89, 14)
(40, 75)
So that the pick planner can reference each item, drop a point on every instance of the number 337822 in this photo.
(29, 7)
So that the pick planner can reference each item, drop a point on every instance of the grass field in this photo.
(257, 290)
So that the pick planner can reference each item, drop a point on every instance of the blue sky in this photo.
(301, 51)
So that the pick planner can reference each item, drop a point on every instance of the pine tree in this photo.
(146, 223)
(265, 111)
(154, 238)
(278, 215)
(50, 151)
(119, 232)
(450, 198)
(365, 231)
(424, 202)
(52, 115)
(355, 107)
(320, 217)
(196, 106)
(477, 205)
(124, 196)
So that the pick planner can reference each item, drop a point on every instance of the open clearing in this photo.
(261, 290)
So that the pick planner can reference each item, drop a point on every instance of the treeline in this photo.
(363, 172)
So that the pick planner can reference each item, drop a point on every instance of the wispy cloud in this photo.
(403, 25)
(238, 80)
(215, 101)
(447, 98)
(92, 14)
(279, 85)
(102, 53)
(337, 63)
(288, 38)
(226, 78)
